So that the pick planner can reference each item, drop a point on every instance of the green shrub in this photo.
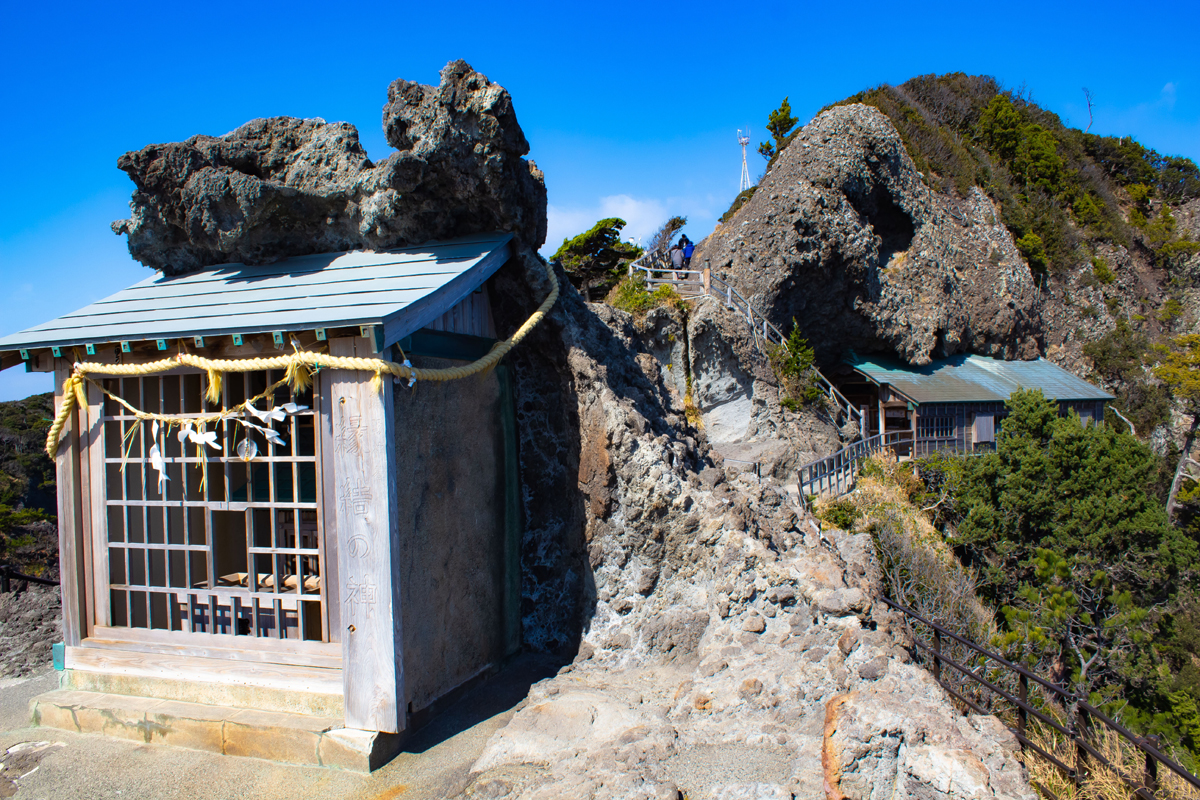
(793, 364)
(1140, 194)
(1033, 249)
(1102, 271)
(631, 294)
(1171, 311)
(1087, 211)
(870, 469)
(841, 514)
(1161, 229)
(1037, 159)
(1000, 126)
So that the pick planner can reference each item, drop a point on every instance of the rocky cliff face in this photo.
(843, 236)
(737, 395)
(726, 645)
(281, 187)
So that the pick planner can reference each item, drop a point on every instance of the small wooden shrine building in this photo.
(344, 551)
(957, 403)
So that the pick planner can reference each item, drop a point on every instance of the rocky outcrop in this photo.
(713, 624)
(843, 236)
(756, 665)
(738, 397)
(282, 186)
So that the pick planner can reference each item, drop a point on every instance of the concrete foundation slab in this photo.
(317, 704)
(275, 736)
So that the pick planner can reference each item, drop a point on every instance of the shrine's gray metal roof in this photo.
(975, 379)
(402, 290)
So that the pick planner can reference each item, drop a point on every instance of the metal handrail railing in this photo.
(1081, 711)
(834, 474)
(8, 574)
(659, 271)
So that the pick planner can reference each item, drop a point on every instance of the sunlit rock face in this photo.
(283, 186)
(844, 236)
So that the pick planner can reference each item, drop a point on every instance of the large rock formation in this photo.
(737, 394)
(713, 626)
(844, 236)
(283, 186)
(725, 644)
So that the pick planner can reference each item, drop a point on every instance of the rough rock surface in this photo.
(30, 621)
(737, 394)
(282, 186)
(713, 624)
(843, 236)
(756, 667)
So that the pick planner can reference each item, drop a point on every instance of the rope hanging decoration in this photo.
(299, 365)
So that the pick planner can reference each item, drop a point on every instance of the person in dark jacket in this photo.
(676, 257)
(688, 247)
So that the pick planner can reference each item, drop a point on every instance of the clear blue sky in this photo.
(630, 108)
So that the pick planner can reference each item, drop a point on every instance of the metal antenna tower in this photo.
(743, 140)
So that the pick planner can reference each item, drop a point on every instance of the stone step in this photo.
(275, 736)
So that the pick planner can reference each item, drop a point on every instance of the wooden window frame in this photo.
(94, 628)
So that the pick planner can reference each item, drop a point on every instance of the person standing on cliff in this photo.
(688, 247)
(677, 258)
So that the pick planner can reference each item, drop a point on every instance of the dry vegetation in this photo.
(921, 572)
(1102, 783)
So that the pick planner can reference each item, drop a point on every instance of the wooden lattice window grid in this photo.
(240, 552)
(935, 427)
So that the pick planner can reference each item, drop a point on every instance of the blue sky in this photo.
(631, 109)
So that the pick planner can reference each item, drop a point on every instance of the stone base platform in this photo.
(275, 736)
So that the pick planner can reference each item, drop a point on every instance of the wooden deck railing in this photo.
(657, 269)
(993, 669)
(833, 475)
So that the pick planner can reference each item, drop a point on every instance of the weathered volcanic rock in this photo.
(283, 186)
(844, 236)
(714, 624)
(738, 397)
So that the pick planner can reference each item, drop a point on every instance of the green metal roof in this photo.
(975, 379)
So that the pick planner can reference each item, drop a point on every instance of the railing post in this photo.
(1151, 775)
(1022, 714)
(706, 276)
(728, 295)
(1081, 756)
(937, 655)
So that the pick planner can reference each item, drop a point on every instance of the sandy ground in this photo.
(435, 763)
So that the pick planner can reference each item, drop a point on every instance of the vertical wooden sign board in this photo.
(368, 540)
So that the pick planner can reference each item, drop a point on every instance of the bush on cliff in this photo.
(793, 364)
(632, 295)
(595, 259)
(1072, 545)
